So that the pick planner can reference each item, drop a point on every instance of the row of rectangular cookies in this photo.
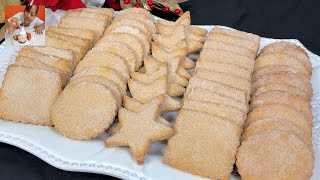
(119, 51)
(32, 84)
(209, 125)
(277, 139)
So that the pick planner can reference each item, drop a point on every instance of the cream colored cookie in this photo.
(133, 105)
(239, 34)
(177, 47)
(283, 97)
(146, 92)
(194, 46)
(144, 39)
(113, 87)
(175, 90)
(82, 33)
(108, 60)
(62, 64)
(151, 65)
(99, 16)
(150, 78)
(203, 145)
(144, 123)
(135, 23)
(232, 114)
(77, 50)
(240, 42)
(121, 50)
(283, 77)
(291, 50)
(228, 58)
(148, 22)
(224, 78)
(65, 54)
(290, 158)
(219, 88)
(188, 63)
(271, 124)
(130, 40)
(174, 68)
(97, 26)
(163, 55)
(279, 68)
(84, 110)
(224, 68)
(106, 73)
(280, 87)
(171, 40)
(198, 93)
(222, 46)
(37, 64)
(106, 11)
(271, 59)
(280, 111)
(136, 12)
(27, 94)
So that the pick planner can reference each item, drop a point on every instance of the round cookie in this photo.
(137, 33)
(84, 110)
(274, 155)
(270, 124)
(131, 41)
(279, 87)
(275, 59)
(283, 97)
(116, 91)
(120, 49)
(280, 111)
(107, 59)
(143, 19)
(135, 23)
(106, 73)
(135, 12)
(283, 77)
(279, 68)
(291, 50)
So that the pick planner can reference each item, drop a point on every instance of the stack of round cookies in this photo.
(277, 139)
(90, 102)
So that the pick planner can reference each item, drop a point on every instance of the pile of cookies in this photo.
(209, 125)
(277, 139)
(100, 79)
(32, 84)
(172, 45)
(151, 92)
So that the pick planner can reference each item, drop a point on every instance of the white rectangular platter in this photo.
(92, 156)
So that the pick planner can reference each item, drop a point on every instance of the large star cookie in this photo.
(138, 129)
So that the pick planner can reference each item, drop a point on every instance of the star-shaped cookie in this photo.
(139, 129)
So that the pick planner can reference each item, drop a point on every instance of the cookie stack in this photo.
(215, 106)
(172, 46)
(277, 139)
(100, 79)
(94, 19)
(33, 83)
(194, 35)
